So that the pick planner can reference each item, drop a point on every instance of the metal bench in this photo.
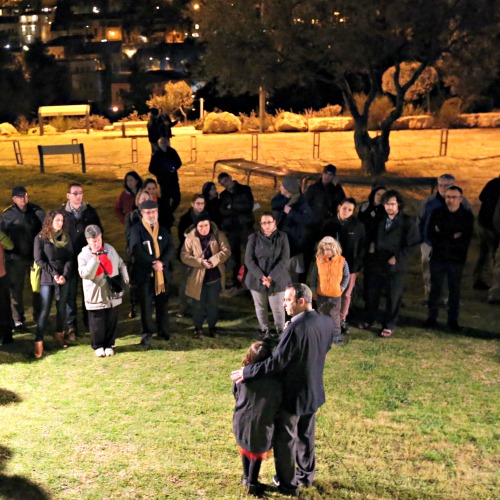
(253, 168)
(64, 149)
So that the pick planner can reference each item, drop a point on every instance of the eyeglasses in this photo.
(77, 193)
(452, 197)
(266, 223)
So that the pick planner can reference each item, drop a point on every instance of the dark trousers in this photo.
(47, 293)
(294, 441)
(207, 306)
(146, 299)
(71, 307)
(6, 322)
(17, 270)
(102, 326)
(251, 469)
(441, 273)
(391, 284)
(330, 306)
(233, 264)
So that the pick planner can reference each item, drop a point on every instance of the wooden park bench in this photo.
(252, 168)
(63, 149)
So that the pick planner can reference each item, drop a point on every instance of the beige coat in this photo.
(192, 256)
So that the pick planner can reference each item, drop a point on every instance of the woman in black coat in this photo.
(257, 403)
(267, 258)
(53, 253)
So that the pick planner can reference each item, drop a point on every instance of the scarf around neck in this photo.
(59, 239)
(153, 232)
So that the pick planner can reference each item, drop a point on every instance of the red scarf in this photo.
(106, 264)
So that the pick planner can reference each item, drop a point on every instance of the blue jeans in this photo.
(207, 307)
(47, 293)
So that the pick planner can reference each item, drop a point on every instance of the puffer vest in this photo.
(330, 273)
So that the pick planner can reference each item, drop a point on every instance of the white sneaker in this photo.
(99, 352)
(109, 351)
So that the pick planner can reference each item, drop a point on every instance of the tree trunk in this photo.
(373, 152)
(262, 110)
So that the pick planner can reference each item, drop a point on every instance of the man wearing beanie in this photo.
(21, 222)
(153, 249)
(295, 218)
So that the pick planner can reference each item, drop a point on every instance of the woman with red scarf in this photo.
(98, 262)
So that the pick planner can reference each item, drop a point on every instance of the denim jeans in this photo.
(207, 307)
(261, 301)
(47, 293)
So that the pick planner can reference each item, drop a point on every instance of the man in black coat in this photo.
(21, 222)
(164, 165)
(237, 219)
(488, 237)
(395, 241)
(78, 215)
(153, 249)
(450, 231)
(325, 195)
(298, 360)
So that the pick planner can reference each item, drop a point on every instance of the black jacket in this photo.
(298, 360)
(164, 165)
(299, 224)
(267, 256)
(489, 197)
(352, 238)
(257, 403)
(76, 227)
(53, 261)
(324, 200)
(21, 228)
(441, 231)
(401, 240)
(143, 259)
(236, 209)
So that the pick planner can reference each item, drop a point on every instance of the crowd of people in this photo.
(308, 252)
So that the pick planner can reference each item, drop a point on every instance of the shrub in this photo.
(252, 122)
(329, 111)
(379, 109)
(23, 125)
(449, 111)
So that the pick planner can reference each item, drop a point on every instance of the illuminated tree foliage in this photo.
(278, 43)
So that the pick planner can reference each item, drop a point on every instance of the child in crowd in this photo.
(329, 279)
(257, 403)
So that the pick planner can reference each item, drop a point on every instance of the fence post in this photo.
(75, 155)
(17, 152)
(193, 148)
(255, 146)
(316, 143)
(135, 153)
(443, 144)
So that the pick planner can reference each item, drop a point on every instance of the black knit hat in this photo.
(148, 204)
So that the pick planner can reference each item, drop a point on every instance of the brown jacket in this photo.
(192, 256)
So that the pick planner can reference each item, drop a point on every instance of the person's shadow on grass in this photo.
(16, 487)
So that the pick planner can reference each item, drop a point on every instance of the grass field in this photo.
(415, 416)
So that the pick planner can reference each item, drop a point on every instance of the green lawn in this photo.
(411, 417)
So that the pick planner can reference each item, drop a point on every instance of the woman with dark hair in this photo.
(257, 403)
(53, 253)
(126, 201)
(205, 251)
(371, 211)
(267, 258)
(131, 220)
(212, 202)
(151, 186)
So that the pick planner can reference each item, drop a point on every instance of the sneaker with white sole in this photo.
(99, 352)
(109, 351)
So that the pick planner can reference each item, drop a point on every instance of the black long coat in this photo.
(257, 403)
